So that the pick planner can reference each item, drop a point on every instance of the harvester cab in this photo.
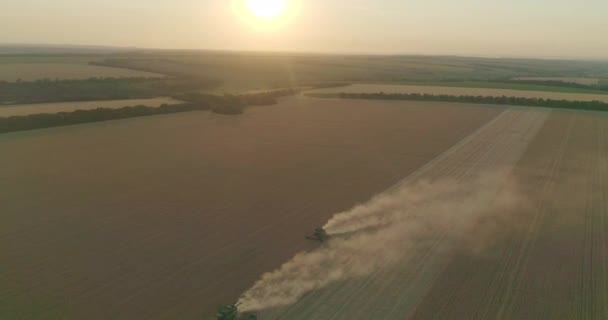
(231, 312)
(319, 235)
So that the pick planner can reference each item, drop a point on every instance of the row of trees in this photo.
(46, 120)
(47, 90)
(556, 83)
(235, 104)
(500, 100)
(227, 104)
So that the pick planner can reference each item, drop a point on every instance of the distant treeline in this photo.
(234, 104)
(502, 100)
(227, 104)
(47, 90)
(531, 84)
(555, 83)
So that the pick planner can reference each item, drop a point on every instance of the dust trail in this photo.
(404, 220)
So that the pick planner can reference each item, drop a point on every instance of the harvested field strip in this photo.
(553, 266)
(515, 271)
(601, 178)
(456, 91)
(393, 292)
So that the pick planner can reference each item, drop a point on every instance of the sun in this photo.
(266, 9)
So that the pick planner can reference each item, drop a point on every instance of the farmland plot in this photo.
(532, 244)
(464, 187)
(554, 266)
(167, 217)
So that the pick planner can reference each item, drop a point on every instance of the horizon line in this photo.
(73, 46)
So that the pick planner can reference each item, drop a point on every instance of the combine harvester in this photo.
(231, 312)
(319, 235)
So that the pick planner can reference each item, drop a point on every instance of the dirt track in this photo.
(166, 217)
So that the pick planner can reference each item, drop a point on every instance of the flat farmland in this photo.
(56, 107)
(555, 266)
(14, 71)
(457, 91)
(166, 217)
(529, 240)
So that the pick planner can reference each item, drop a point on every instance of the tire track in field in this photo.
(381, 295)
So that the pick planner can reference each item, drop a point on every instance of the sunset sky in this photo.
(537, 28)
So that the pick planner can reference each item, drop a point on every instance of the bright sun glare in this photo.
(266, 9)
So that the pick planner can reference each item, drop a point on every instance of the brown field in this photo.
(583, 81)
(457, 91)
(166, 217)
(56, 107)
(11, 72)
(540, 255)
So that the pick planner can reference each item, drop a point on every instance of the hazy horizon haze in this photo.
(518, 28)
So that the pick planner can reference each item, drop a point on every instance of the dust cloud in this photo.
(390, 228)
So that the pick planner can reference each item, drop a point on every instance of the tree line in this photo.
(47, 90)
(227, 104)
(499, 100)
(556, 83)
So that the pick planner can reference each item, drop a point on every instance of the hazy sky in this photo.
(549, 28)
